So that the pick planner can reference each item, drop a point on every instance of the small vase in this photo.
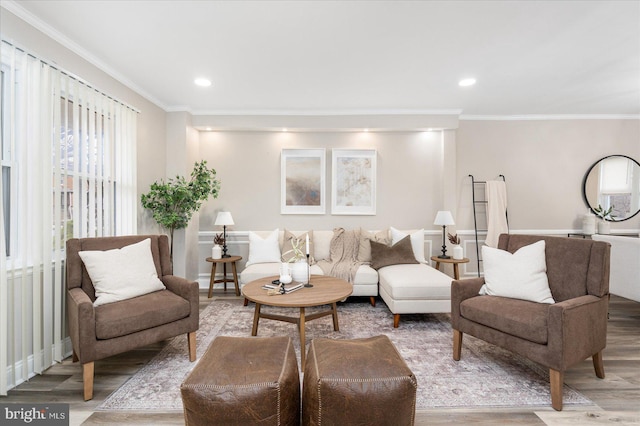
(604, 227)
(299, 271)
(285, 274)
(458, 252)
(216, 252)
(589, 224)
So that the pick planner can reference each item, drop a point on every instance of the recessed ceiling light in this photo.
(467, 82)
(284, 129)
(202, 82)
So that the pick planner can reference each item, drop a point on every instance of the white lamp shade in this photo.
(444, 218)
(224, 218)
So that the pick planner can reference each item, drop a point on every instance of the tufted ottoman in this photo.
(359, 381)
(244, 380)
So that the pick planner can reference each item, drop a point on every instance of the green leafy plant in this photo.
(174, 202)
(604, 214)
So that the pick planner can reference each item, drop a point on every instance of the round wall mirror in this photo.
(612, 184)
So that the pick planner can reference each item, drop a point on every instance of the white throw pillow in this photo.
(123, 273)
(521, 275)
(263, 250)
(417, 242)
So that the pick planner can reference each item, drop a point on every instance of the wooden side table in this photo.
(454, 262)
(225, 260)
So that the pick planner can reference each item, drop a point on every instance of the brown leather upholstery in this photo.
(113, 328)
(557, 336)
(358, 381)
(244, 380)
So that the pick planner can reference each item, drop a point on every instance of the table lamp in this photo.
(223, 219)
(444, 218)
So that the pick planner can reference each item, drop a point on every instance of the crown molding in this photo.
(15, 8)
(533, 117)
(328, 112)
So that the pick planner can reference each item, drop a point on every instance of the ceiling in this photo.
(360, 57)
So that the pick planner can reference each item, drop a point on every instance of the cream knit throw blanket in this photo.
(343, 257)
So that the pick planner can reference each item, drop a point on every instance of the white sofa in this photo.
(625, 265)
(405, 288)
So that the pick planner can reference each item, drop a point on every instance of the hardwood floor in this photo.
(616, 398)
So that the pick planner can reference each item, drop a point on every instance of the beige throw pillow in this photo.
(364, 252)
(400, 253)
(287, 246)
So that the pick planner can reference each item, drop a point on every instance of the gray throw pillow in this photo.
(400, 253)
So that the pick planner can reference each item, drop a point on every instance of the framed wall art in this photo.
(303, 181)
(353, 181)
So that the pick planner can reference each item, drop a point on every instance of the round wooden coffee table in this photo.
(325, 291)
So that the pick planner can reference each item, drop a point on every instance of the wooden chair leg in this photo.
(396, 320)
(457, 344)
(87, 380)
(556, 379)
(372, 300)
(598, 365)
(191, 337)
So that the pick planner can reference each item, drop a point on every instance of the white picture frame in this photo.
(353, 181)
(303, 181)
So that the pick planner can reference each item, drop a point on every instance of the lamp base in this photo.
(444, 257)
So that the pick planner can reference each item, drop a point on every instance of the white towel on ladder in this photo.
(496, 192)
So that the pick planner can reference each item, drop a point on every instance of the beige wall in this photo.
(544, 163)
(151, 119)
(409, 178)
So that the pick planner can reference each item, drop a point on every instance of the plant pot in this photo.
(458, 252)
(216, 252)
(299, 271)
(604, 227)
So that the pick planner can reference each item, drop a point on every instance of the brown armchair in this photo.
(109, 329)
(558, 335)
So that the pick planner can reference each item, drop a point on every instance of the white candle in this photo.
(307, 244)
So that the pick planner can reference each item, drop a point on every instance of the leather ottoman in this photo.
(359, 381)
(244, 380)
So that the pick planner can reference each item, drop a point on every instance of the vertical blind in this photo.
(68, 170)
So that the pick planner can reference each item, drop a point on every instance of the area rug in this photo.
(485, 376)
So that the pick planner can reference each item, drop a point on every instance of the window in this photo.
(63, 145)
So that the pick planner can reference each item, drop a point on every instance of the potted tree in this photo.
(173, 203)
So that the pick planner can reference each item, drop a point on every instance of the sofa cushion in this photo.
(520, 318)
(263, 250)
(122, 273)
(521, 275)
(364, 251)
(140, 313)
(365, 275)
(417, 241)
(416, 281)
(399, 253)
